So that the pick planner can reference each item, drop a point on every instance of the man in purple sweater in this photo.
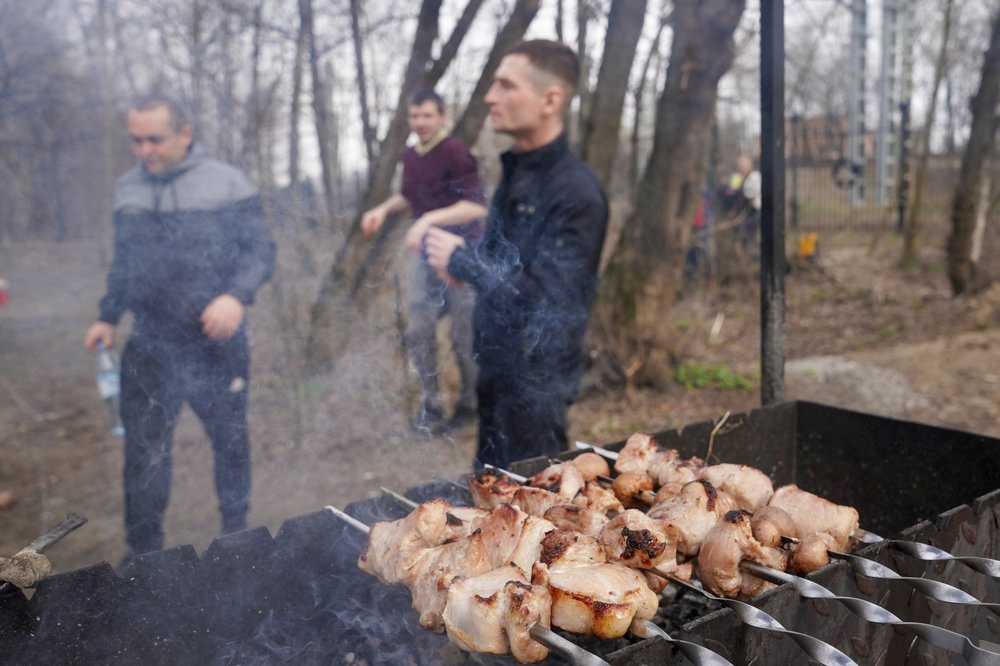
(441, 188)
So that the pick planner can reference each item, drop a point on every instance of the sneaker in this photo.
(463, 416)
(429, 421)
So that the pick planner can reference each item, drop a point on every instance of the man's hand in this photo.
(440, 246)
(222, 317)
(415, 235)
(372, 221)
(100, 331)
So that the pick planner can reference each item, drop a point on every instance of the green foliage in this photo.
(720, 377)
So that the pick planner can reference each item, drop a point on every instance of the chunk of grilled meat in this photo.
(433, 570)
(493, 613)
(812, 552)
(578, 518)
(749, 486)
(536, 501)
(636, 540)
(598, 599)
(812, 513)
(637, 454)
(591, 465)
(669, 472)
(629, 488)
(490, 488)
(563, 479)
(692, 513)
(770, 523)
(392, 544)
(600, 499)
(562, 549)
(728, 543)
(512, 535)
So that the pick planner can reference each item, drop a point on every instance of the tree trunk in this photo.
(639, 102)
(337, 309)
(583, 12)
(294, 143)
(367, 131)
(910, 236)
(470, 124)
(599, 143)
(645, 269)
(962, 267)
(325, 123)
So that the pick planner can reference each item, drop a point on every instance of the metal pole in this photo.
(796, 124)
(772, 212)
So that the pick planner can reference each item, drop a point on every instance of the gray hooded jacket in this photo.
(183, 237)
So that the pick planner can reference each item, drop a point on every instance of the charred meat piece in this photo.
(493, 613)
(692, 513)
(578, 518)
(511, 535)
(748, 485)
(490, 488)
(813, 513)
(724, 547)
(636, 540)
(562, 549)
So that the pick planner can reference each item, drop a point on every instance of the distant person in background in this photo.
(535, 272)
(441, 189)
(191, 249)
(750, 188)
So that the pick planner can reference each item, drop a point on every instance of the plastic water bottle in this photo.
(108, 373)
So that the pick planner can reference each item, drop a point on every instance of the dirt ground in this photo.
(861, 333)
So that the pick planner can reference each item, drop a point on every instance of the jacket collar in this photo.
(538, 158)
(196, 154)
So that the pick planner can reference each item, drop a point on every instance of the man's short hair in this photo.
(554, 58)
(178, 118)
(427, 95)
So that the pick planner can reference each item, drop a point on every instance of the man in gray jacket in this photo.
(191, 249)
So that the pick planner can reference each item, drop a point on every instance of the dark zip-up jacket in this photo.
(183, 237)
(535, 272)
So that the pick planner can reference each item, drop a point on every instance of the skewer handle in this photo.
(607, 453)
(350, 520)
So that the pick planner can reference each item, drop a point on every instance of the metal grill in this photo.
(297, 597)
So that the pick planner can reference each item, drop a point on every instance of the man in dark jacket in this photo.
(535, 272)
(191, 249)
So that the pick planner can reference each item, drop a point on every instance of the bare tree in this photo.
(367, 130)
(644, 271)
(940, 65)
(599, 142)
(639, 100)
(963, 249)
(357, 258)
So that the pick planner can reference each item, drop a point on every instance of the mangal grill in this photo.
(298, 597)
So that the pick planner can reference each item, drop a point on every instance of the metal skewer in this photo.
(819, 650)
(543, 635)
(939, 636)
(697, 654)
(928, 553)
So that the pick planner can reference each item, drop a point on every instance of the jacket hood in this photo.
(197, 154)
